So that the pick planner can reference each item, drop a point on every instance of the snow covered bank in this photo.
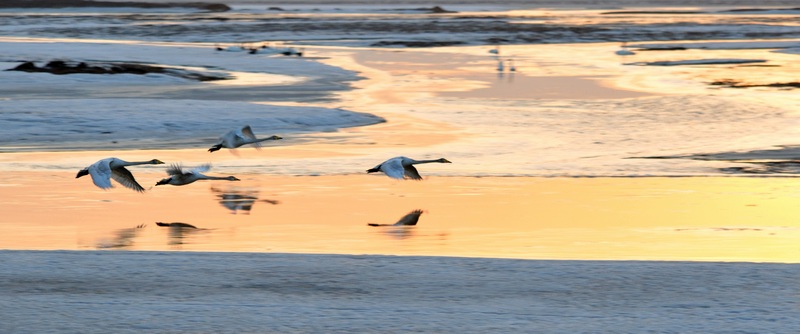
(70, 124)
(159, 110)
(133, 292)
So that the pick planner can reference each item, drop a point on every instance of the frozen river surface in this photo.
(131, 292)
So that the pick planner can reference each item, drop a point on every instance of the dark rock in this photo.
(440, 10)
(416, 44)
(61, 67)
(27, 66)
(56, 64)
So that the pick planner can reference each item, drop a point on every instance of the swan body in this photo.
(112, 168)
(409, 219)
(181, 177)
(236, 138)
(402, 167)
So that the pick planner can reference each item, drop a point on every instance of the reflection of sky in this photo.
(748, 219)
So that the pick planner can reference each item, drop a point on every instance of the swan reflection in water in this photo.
(179, 231)
(123, 238)
(403, 228)
(238, 199)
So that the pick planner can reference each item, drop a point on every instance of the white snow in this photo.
(157, 292)
(81, 109)
(149, 123)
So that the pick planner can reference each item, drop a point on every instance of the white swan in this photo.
(179, 177)
(112, 168)
(236, 138)
(402, 167)
(409, 219)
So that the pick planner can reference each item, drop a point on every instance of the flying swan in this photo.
(112, 168)
(402, 167)
(179, 177)
(236, 138)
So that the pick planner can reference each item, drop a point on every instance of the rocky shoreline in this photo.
(211, 7)
(61, 67)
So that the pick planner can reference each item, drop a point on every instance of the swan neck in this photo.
(134, 163)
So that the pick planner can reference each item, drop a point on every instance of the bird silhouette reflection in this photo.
(123, 238)
(239, 200)
(403, 228)
(178, 231)
(409, 219)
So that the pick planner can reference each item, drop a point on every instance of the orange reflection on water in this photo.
(699, 219)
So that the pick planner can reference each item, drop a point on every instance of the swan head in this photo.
(233, 178)
(215, 148)
(274, 137)
(156, 162)
(444, 161)
(164, 181)
(82, 172)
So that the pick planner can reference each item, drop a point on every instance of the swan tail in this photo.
(82, 172)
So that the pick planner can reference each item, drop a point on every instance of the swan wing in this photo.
(411, 172)
(101, 173)
(200, 169)
(175, 170)
(393, 168)
(247, 133)
(247, 137)
(409, 219)
(125, 178)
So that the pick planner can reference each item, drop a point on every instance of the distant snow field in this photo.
(127, 111)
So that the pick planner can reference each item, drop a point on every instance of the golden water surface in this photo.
(697, 219)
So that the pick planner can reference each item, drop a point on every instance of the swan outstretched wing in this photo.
(411, 172)
(175, 169)
(249, 137)
(247, 133)
(101, 173)
(125, 178)
(393, 168)
(200, 169)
